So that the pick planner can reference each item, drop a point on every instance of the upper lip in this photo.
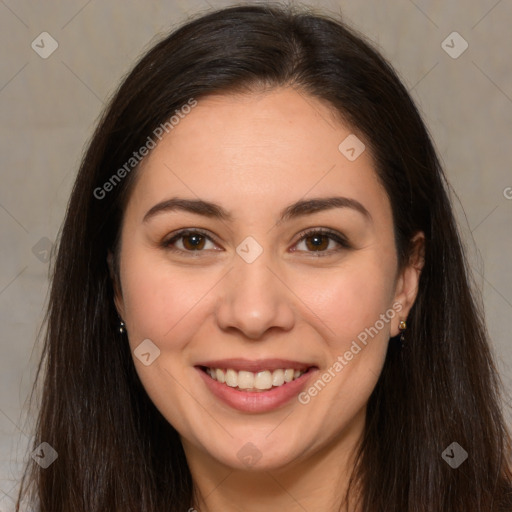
(240, 364)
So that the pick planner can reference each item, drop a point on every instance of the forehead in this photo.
(259, 148)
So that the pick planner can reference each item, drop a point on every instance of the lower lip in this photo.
(257, 401)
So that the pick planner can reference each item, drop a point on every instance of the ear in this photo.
(408, 281)
(118, 295)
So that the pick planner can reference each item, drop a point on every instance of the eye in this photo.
(319, 241)
(188, 240)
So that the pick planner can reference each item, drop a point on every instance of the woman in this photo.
(260, 299)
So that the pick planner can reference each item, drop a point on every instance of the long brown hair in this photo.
(116, 452)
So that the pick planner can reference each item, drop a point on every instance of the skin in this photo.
(255, 154)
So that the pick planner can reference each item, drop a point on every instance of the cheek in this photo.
(164, 304)
(351, 305)
(158, 297)
(351, 299)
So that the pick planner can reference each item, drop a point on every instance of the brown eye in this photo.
(193, 242)
(188, 241)
(317, 242)
(323, 242)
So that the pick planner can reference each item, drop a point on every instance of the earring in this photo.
(402, 327)
(122, 326)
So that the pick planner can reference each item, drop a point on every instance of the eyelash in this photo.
(333, 235)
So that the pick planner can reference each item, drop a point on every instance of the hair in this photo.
(115, 450)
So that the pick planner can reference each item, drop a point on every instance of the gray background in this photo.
(50, 106)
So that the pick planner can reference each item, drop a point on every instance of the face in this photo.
(259, 303)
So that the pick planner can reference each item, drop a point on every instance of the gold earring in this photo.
(402, 327)
(122, 326)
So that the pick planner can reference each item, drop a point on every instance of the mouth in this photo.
(255, 386)
(254, 382)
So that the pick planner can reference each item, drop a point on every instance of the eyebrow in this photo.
(295, 210)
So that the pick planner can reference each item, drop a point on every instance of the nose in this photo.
(254, 299)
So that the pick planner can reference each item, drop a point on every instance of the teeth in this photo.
(245, 380)
(278, 378)
(248, 380)
(231, 378)
(263, 380)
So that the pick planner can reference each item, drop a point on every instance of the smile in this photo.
(254, 382)
(255, 386)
